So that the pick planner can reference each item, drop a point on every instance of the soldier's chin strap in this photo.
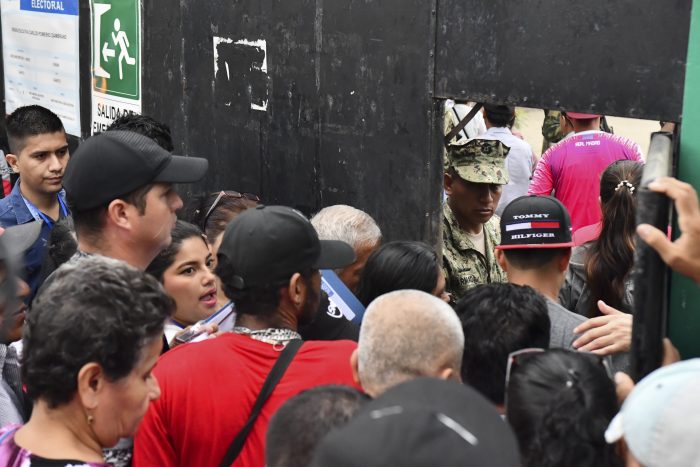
(462, 123)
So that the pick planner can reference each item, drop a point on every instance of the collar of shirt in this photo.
(498, 131)
(39, 216)
(21, 211)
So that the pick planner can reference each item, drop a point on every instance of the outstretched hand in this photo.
(607, 334)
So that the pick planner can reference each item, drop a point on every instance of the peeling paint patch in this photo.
(240, 72)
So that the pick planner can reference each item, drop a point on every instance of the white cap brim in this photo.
(615, 431)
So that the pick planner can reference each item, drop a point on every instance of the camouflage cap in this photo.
(479, 161)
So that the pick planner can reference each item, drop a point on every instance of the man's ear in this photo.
(91, 382)
(355, 367)
(448, 373)
(297, 290)
(120, 213)
(564, 260)
(447, 183)
(501, 259)
(12, 162)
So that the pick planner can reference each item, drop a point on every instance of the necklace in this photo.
(278, 337)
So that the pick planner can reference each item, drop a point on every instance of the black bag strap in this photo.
(460, 126)
(276, 373)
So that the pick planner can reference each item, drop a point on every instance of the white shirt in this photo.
(519, 164)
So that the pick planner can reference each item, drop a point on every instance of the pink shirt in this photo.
(572, 168)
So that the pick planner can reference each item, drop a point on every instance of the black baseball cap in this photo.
(115, 163)
(535, 222)
(268, 244)
(423, 422)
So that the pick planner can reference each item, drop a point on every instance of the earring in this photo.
(90, 419)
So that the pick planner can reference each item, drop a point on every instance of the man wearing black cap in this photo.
(119, 185)
(535, 250)
(268, 262)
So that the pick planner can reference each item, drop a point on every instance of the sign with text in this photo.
(116, 60)
(40, 54)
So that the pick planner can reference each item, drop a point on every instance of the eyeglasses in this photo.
(226, 194)
(515, 358)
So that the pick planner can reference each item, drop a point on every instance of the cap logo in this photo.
(531, 216)
(533, 225)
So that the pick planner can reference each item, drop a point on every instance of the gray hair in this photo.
(342, 222)
(404, 335)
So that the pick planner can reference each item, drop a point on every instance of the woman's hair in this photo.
(93, 309)
(397, 266)
(559, 403)
(611, 257)
(181, 232)
(212, 212)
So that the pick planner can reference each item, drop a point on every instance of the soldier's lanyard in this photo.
(38, 215)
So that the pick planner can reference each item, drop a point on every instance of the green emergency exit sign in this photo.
(116, 47)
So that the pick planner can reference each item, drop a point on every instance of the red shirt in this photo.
(208, 390)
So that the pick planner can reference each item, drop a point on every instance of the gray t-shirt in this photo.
(563, 324)
(562, 334)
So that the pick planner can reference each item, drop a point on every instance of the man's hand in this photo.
(607, 334)
(683, 255)
(208, 330)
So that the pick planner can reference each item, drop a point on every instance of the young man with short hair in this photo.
(39, 154)
(497, 320)
(535, 250)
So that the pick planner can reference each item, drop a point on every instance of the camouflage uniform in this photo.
(477, 161)
(551, 131)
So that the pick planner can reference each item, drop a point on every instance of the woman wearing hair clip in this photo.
(600, 267)
(185, 270)
(212, 212)
(559, 404)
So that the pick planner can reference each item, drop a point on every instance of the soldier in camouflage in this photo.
(475, 173)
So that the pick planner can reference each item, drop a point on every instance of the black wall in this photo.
(621, 57)
(350, 118)
(354, 86)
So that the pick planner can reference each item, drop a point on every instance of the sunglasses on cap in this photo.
(226, 194)
(516, 358)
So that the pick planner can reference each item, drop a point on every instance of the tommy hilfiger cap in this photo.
(115, 163)
(268, 244)
(535, 222)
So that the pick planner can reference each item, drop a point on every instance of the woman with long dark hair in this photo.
(600, 269)
(401, 265)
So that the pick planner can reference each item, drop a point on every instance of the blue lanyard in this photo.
(47, 220)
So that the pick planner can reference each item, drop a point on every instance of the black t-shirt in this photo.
(330, 325)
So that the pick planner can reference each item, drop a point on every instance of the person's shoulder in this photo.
(559, 314)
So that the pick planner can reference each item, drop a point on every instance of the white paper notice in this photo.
(40, 53)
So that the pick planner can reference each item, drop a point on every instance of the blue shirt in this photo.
(14, 211)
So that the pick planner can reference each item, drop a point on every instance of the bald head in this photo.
(404, 335)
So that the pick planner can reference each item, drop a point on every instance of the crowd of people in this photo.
(142, 329)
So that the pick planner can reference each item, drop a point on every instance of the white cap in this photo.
(660, 420)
